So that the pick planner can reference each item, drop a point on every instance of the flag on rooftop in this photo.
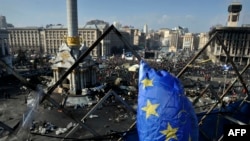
(164, 112)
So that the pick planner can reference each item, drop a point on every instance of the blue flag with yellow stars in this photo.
(164, 112)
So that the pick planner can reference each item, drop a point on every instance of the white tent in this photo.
(126, 65)
(133, 68)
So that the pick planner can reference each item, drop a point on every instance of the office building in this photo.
(190, 41)
(48, 40)
(236, 39)
(26, 39)
(5, 54)
(3, 23)
(145, 29)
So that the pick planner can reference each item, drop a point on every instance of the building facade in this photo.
(91, 32)
(116, 45)
(48, 40)
(188, 41)
(145, 29)
(139, 38)
(52, 37)
(203, 39)
(3, 22)
(236, 39)
(4, 51)
(237, 42)
(171, 38)
(26, 39)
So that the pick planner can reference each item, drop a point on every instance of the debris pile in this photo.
(46, 127)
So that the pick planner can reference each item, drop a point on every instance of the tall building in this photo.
(165, 36)
(52, 38)
(5, 55)
(116, 45)
(117, 25)
(203, 39)
(131, 32)
(188, 41)
(26, 39)
(48, 40)
(3, 23)
(153, 40)
(234, 14)
(235, 39)
(135, 37)
(237, 42)
(170, 38)
(94, 29)
(145, 29)
(139, 38)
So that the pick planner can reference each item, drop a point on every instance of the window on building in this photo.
(234, 18)
(218, 49)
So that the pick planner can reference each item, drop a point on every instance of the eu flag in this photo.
(164, 112)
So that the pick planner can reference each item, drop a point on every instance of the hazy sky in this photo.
(197, 15)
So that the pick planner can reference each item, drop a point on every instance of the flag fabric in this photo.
(164, 113)
(226, 67)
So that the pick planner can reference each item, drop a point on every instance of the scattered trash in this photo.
(121, 118)
(47, 127)
(70, 125)
(42, 127)
(64, 130)
(93, 116)
(79, 101)
(61, 131)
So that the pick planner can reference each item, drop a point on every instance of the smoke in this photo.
(32, 109)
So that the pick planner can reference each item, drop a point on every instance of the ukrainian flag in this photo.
(164, 112)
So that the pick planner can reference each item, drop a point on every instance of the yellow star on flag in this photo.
(147, 82)
(150, 109)
(170, 133)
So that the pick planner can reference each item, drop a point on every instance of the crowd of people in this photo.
(115, 68)
(207, 70)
